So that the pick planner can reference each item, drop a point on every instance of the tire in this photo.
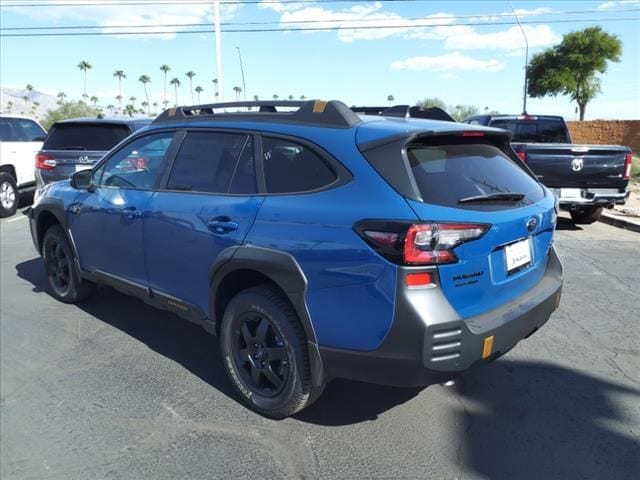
(585, 215)
(264, 350)
(9, 195)
(65, 281)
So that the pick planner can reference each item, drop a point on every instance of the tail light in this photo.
(45, 162)
(421, 243)
(627, 166)
(522, 155)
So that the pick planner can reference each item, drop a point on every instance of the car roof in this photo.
(137, 122)
(16, 115)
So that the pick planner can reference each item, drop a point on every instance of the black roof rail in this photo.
(317, 112)
(406, 111)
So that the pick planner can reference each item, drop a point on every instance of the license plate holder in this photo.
(570, 193)
(518, 255)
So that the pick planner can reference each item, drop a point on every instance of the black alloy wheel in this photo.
(260, 355)
(57, 266)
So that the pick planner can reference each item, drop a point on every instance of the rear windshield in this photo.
(551, 130)
(79, 136)
(446, 174)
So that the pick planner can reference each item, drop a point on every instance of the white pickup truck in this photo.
(20, 139)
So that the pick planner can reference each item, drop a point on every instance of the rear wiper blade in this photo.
(493, 197)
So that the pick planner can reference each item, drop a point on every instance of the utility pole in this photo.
(219, 75)
(526, 59)
(244, 85)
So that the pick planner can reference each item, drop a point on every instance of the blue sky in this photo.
(469, 52)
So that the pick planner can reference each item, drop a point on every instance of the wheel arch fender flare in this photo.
(282, 269)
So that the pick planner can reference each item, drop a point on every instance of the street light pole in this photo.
(526, 60)
(219, 75)
(244, 85)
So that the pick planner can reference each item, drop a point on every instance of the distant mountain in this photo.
(46, 102)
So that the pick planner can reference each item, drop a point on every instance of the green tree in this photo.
(215, 87)
(111, 108)
(199, 90)
(144, 79)
(85, 66)
(302, 97)
(9, 106)
(432, 102)
(94, 100)
(176, 83)
(61, 96)
(275, 97)
(237, 90)
(165, 69)
(256, 98)
(190, 76)
(570, 68)
(120, 75)
(390, 99)
(29, 88)
(129, 110)
(290, 97)
(68, 110)
(133, 99)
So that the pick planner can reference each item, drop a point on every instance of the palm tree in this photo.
(144, 79)
(256, 98)
(133, 99)
(84, 66)
(29, 88)
(390, 99)
(111, 108)
(26, 100)
(145, 104)
(9, 106)
(120, 74)
(215, 86)
(155, 107)
(191, 74)
(237, 90)
(94, 100)
(290, 97)
(199, 90)
(165, 69)
(176, 83)
(61, 96)
(165, 103)
(275, 97)
(302, 97)
(119, 98)
(130, 110)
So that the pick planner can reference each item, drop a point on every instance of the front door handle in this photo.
(222, 225)
(131, 213)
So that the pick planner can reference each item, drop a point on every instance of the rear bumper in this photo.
(595, 196)
(429, 344)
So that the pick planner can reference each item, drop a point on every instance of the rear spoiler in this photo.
(406, 111)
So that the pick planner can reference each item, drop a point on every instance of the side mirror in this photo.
(82, 180)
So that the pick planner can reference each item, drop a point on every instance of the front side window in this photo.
(207, 162)
(138, 165)
(31, 131)
(9, 131)
(292, 168)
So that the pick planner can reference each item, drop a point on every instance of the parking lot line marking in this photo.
(11, 220)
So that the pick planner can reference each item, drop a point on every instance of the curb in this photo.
(620, 222)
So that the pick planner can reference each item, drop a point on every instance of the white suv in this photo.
(20, 139)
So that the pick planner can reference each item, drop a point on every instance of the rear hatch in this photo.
(80, 145)
(580, 166)
(466, 182)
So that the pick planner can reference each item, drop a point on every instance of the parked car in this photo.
(78, 143)
(20, 138)
(585, 178)
(316, 243)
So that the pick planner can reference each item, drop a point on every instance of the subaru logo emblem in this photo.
(532, 224)
(83, 159)
(577, 164)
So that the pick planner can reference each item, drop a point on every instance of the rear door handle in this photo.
(222, 225)
(131, 213)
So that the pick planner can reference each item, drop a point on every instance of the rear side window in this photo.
(85, 136)
(290, 167)
(207, 162)
(446, 174)
(551, 130)
(9, 130)
(31, 131)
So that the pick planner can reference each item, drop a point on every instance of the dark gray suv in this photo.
(78, 143)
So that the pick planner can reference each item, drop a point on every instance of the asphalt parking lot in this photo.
(113, 389)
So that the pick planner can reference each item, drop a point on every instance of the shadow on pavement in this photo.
(533, 420)
(188, 344)
(566, 224)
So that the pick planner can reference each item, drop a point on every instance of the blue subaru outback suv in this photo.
(314, 242)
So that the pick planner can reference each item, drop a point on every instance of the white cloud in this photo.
(613, 5)
(443, 63)
(521, 12)
(110, 16)
(467, 38)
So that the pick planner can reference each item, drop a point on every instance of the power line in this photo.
(193, 2)
(309, 29)
(276, 22)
